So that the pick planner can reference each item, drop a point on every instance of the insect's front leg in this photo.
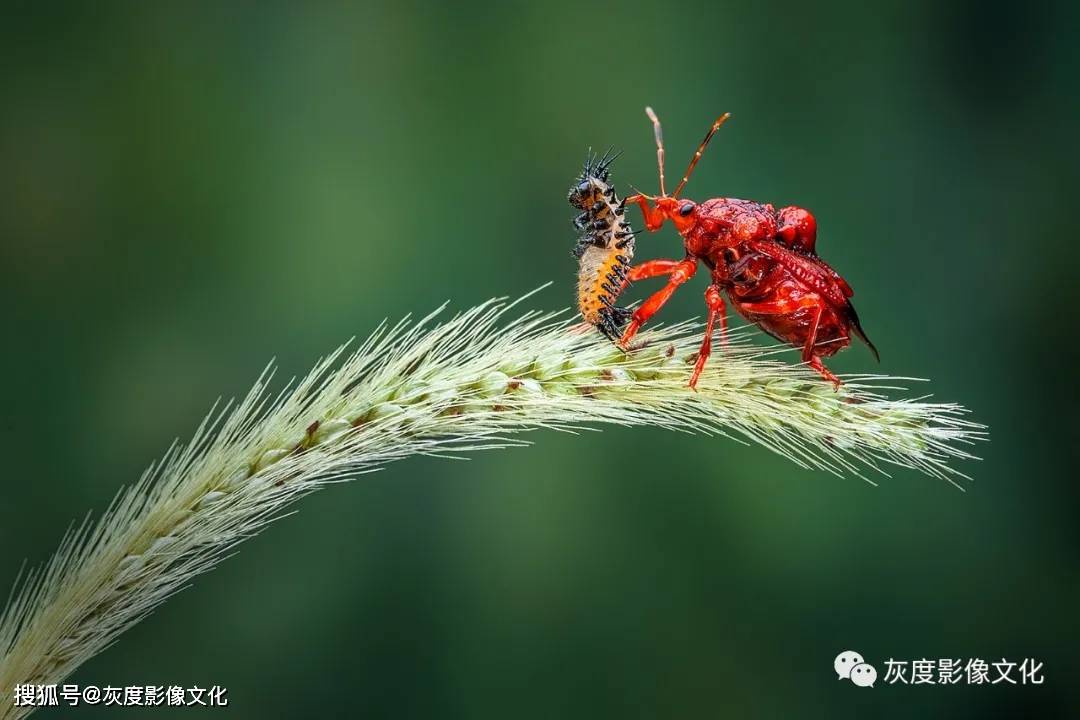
(680, 272)
(651, 269)
(653, 217)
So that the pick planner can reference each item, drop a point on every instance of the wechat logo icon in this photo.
(850, 665)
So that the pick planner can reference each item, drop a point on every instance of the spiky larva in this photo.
(605, 250)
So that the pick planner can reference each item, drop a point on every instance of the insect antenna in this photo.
(638, 192)
(659, 146)
(697, 156)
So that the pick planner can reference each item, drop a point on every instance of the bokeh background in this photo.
(190, 189)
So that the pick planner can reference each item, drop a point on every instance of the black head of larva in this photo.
(592, 183)
(582, 194)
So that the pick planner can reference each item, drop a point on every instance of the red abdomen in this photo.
(794, 327)
(785, 294)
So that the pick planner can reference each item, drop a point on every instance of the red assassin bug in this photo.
(764, 259)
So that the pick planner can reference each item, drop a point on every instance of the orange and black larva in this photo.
(605, 250)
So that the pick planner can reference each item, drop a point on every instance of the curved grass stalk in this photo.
(413, 388)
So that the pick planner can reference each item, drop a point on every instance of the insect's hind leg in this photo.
(787, 307)
(815, 362)
(808, 354)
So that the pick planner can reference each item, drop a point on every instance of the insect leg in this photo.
(811, 335)
(808, 354)
(653, 217)
(786, 307)
(779, 307)
(815, 362)
(715, 302)
(651, 269)
(683, 271)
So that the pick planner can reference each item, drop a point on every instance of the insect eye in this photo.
(686, 209)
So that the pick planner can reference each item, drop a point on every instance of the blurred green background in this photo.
(190, 189)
